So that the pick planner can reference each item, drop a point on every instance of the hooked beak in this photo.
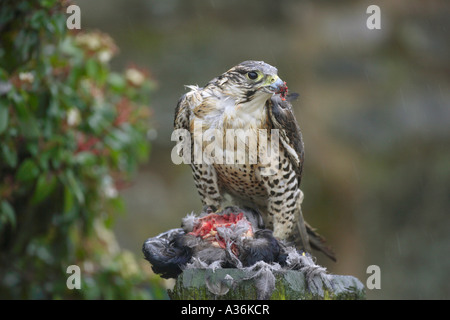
(277, 85)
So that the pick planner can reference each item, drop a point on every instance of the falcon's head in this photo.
(251, 81)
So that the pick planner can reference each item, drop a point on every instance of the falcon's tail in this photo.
(318, 242)
(308, 238)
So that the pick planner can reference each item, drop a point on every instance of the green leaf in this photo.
(33, 149)
(44, 187)
(9, 155)
(74, 186)
(68, 199)
(28, 124)
(86, 159)
(92, 68)
(48, 3)
(27, 171)
(4, 114)
(7, 214)
(59, 24)
(116, 81)
(38, 19)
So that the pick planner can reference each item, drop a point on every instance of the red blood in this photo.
(206, 228)
(283, 91)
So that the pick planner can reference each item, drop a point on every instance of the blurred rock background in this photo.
(374, 112)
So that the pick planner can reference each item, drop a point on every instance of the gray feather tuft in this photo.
(188, 223)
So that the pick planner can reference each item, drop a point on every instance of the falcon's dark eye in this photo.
(252, 75)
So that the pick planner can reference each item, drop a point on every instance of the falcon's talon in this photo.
(209, 209)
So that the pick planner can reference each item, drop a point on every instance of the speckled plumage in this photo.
(235, 101)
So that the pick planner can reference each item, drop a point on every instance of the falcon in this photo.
(250, 97)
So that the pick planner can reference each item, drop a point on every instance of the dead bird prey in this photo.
(237, 238)
(233, 238)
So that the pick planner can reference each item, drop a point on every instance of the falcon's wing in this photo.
(282, 117)
(183, 112)
(204, 175)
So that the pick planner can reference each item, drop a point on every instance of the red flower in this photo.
(87, 144)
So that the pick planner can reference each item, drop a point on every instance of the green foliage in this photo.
(72, 132)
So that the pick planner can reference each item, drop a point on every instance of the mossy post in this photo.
(237, 284)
